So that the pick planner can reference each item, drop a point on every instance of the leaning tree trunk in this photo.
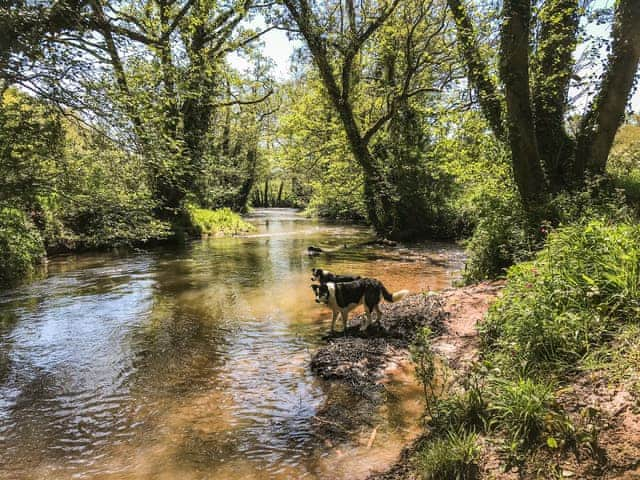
(604, 117)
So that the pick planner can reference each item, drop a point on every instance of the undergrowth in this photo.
(218, 222)
(573, 308)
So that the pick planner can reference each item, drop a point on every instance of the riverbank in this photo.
(600, 415)
(364, 362)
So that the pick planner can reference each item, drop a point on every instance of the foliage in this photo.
(521, 408)
(313, 153)
(504, 235)
(423, 357)
(218, 222)
(76, 187)
(500, 239)
(31, 148)
(572, 297)
(624, 161)
(21, 246)
(466, 410)
(452, 457)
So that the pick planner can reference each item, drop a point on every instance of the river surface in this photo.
(193, 363)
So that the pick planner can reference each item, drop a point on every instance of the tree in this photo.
(151, 74)
(528, 109)
(374, 59)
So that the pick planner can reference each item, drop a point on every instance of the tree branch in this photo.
(601, 122)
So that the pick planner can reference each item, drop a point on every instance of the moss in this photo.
(218, 222)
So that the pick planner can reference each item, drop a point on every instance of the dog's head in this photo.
(322, 293)
(316, 274)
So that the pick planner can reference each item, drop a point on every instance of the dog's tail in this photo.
(395, 296)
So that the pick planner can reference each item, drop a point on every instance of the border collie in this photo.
(324, 276)
(344, 297)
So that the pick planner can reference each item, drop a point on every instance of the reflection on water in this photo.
(191, 363)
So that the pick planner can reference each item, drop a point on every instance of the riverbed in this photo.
(193, 362)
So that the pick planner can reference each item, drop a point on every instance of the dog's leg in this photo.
(333, 320)
(378, 314)
(345, 318)
(367, 322)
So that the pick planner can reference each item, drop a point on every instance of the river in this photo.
(192, 362)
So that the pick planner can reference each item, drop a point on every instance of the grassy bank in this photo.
(551, 388)
(218, 222)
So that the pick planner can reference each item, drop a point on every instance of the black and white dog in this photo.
(344, 297)
(324, 276)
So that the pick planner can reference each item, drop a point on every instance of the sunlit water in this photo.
(193, 363)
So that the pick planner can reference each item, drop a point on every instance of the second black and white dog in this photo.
(344, 297)
(324, 276)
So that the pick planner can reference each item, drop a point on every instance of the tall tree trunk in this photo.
(514, 71)
(279, 199)
(266, 194)
(552, 68)
(478, 69)
(247, 186)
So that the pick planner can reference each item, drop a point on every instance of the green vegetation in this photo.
(453, 457)
(218, 222)
(21, 246)
(521, 408)
(574, 296)
(572, 308)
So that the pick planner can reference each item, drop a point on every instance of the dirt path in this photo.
(464, 308)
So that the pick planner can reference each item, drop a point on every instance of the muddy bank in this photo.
(354, 364)
(360, 362)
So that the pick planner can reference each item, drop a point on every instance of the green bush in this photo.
(504, 236)
(218, 222)
(521, 408)
(577, 292)
(466, 410)
(21, 246)
(453, 457)
(500, 238)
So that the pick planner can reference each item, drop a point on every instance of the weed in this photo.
(521, 409)
(453, 457)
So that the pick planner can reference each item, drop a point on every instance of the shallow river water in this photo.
(193, 363)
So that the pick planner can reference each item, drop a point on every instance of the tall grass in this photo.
(453, 457)
(218, 222)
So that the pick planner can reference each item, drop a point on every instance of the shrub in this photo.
(520, 408)
(579, 289)
(500, 238)
(467, 410)
(453, 457)
(504, 236)
(423, 357)
(21, 246)
(218, 222)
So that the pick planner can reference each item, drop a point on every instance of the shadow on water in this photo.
(193, 362)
